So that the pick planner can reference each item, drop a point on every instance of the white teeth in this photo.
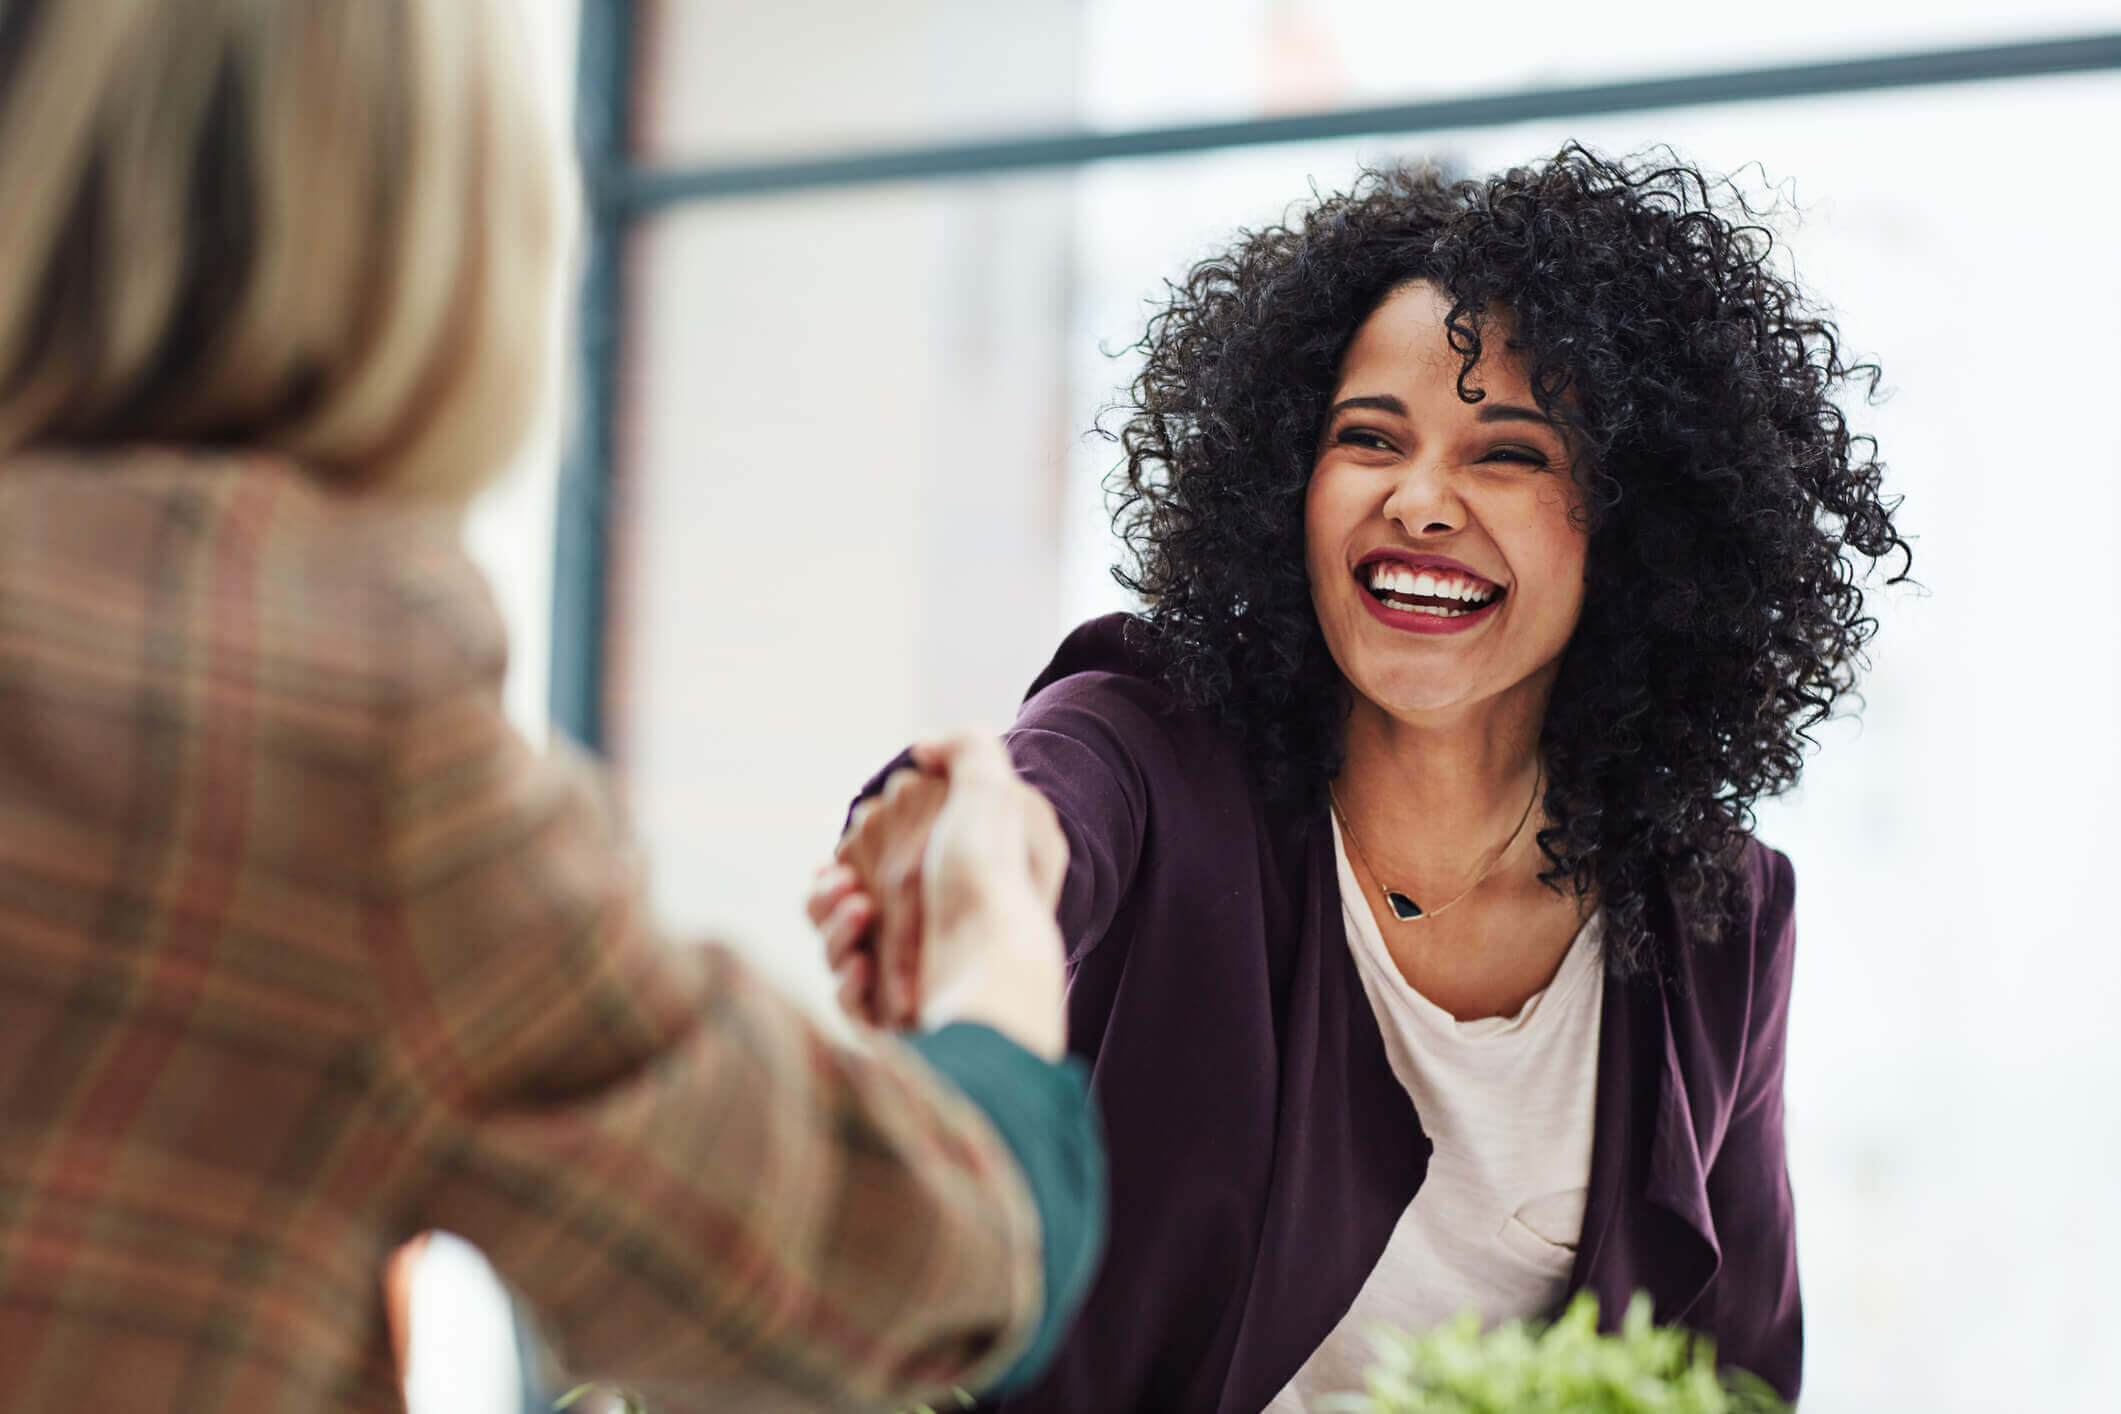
(1387, 577)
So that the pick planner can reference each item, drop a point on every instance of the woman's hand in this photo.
(939, 905)
(994, 836)
(867, 903)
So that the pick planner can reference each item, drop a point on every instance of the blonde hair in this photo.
(327, 229)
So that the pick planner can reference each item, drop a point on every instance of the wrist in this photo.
(1006, 971)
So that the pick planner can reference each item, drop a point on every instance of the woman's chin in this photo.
(1417, 702)
(1441, 694)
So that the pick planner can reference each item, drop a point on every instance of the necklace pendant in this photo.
(1403, 908)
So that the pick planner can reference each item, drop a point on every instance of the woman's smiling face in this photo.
(1445, 555)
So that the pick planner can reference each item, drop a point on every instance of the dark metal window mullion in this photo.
(582, 532)
(641, 190)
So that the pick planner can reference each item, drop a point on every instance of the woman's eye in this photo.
(1522, 456)
(1363, 437)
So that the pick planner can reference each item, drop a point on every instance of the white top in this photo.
(1509, 1103)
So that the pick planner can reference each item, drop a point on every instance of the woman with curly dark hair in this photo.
(1499, 541)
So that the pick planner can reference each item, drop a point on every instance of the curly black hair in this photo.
(1723, 615)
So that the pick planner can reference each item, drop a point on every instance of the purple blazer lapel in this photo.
(1349, 1152)
(1646, 1225)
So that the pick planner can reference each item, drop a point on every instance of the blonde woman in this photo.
(302, 951)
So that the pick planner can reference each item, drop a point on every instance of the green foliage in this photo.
(1564, 1368)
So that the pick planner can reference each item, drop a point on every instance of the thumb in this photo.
(972, 754)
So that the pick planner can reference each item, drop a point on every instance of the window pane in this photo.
(1189, 60)
(728, 80)
(845, 446)
(733, 80)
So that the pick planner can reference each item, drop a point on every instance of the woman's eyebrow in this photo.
(1489, 411)
(1383, 402)
(1512, 412)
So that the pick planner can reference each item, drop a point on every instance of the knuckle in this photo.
(857, 819)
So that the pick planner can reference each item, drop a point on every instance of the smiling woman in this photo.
(1499, 539)
(1654, 357)
(1445, 549)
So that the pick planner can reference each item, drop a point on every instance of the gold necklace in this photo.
(1402, 904)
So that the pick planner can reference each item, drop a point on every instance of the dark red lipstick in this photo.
(1423, 593)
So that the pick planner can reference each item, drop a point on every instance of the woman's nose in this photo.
(1425, 500)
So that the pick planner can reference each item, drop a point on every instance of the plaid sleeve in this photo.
(701, 1196)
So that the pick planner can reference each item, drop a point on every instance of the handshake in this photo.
(938, 905)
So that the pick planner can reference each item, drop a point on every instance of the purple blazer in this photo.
(1262, 1150)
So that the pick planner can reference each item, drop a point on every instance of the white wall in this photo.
(841, 449)
(510, 529)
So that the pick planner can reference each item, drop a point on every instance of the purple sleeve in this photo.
(1761, 1327)
(1079, 742)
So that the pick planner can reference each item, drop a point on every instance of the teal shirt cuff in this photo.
(1043, 1111)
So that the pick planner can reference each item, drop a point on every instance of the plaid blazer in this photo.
(303, 951)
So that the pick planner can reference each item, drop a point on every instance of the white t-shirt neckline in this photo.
(1509, 1104)
(1578, 966)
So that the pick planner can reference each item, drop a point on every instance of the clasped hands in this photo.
(938, 903)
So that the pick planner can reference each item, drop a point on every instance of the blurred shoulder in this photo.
(210, 554)
(1771, 891)
(1750, 963)
(1104, 687)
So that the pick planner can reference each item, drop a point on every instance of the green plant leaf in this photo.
(1565, 1367)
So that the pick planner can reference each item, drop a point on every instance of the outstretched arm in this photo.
(700, 1194)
